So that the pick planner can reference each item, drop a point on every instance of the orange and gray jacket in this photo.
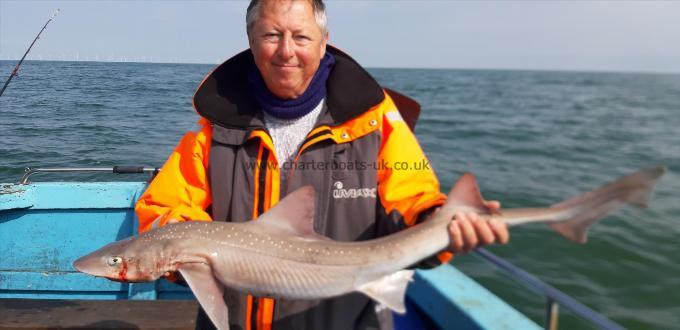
(370, 174)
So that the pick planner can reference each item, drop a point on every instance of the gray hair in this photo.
(253, 12)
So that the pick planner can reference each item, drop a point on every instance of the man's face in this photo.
(287, 45)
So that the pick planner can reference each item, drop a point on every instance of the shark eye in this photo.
(114, 261)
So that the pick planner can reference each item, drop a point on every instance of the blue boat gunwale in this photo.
(444, 293)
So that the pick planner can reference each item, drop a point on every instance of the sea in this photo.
(532, 138)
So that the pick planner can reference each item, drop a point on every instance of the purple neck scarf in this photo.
(295, 108)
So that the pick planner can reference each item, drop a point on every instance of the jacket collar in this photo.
(223, 97)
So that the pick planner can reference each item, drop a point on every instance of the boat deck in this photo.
(100, 314)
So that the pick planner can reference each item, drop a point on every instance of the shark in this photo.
(280, 255)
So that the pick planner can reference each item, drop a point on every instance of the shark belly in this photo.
(271, 276)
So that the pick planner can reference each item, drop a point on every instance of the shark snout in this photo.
(79, 265)
(89, 265)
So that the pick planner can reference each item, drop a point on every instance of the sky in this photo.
(628, 36)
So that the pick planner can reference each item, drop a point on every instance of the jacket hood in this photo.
(223, 96)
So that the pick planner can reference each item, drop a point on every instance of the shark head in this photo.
(124, 261)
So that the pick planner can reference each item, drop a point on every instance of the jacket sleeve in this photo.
(180, 190)
(407, 185)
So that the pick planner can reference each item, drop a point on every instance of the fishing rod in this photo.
(15, 72)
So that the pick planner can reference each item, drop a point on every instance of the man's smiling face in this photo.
(287, 44)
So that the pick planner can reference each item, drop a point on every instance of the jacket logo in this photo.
(340, 192)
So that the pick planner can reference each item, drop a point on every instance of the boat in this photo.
(45, 226)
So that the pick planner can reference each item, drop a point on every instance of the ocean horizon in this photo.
(532, 138)
(546, 70)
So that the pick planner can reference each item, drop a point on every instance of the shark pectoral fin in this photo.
(389, 290)
(208, 291)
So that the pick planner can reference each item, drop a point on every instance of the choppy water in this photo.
(532, 139)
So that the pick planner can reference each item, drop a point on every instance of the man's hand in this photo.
(468, 230)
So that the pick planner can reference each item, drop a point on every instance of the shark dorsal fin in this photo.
(466, 195)
(294, 214)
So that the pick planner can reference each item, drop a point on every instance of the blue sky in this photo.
(560, 35)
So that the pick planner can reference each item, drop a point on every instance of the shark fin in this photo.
(466, 195)
(208, 291)
(294, 214)
(389, 290)
(576, 229)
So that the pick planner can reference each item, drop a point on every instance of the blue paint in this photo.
(44, 227)
(450, 298)
(81, 295)
(15, 197)
(45, 280)
(50, 240)
(142, 291)
(72, 195)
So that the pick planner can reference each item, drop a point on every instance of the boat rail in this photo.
(554, 297)
(151, 171)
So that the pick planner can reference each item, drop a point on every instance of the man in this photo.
(292, 111)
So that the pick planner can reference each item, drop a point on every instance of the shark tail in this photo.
(580, 212)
